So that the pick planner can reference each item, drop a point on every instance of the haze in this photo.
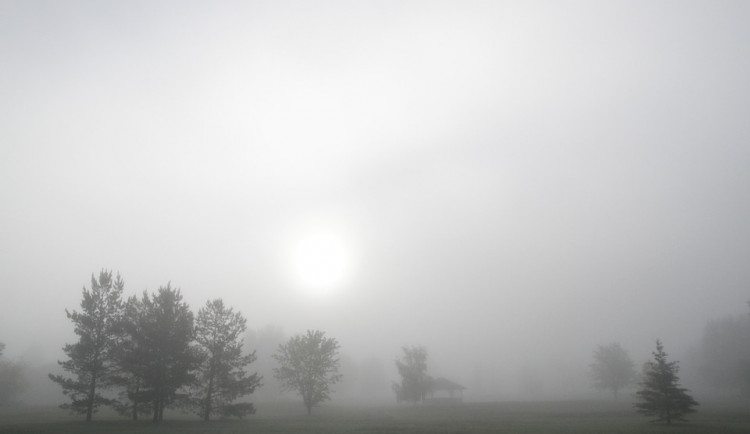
(513, 183)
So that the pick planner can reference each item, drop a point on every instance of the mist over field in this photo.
(507, 184)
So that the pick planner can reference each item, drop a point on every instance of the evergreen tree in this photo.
(612, 368)
(158, 358)
(221, 376)
(660, 394)
(90, 359)
(309, 365)
(135, 396)
(415, 383)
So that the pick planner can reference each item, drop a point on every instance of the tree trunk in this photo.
(91, 397)
(307, 399)
(209, 394)
(156, 409)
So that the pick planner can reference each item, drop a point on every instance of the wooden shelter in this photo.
(445, 389)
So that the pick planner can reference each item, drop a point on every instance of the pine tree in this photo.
(156, 357)
(660, 394)
(135, 396)
(90, 359)
(162, 344)
(221, 376)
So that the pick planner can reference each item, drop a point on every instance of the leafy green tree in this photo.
(309, 365)
(90, 359)
(159, 357)
(660, 394)
(12, 379)
(612, 368)
(221, 375)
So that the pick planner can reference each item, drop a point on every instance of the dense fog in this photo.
(507, 184)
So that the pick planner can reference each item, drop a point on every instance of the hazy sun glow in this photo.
(320, 261)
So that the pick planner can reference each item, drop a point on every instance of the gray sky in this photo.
(509, 180)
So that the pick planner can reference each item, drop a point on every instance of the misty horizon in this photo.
(507, 184)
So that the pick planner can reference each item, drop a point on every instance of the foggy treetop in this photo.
(508, 178)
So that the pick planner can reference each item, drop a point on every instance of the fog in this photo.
(510, 183)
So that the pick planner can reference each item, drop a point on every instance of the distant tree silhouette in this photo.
(308, 364)
(90, 359)
(612, 368)
(221, 375)
(723, 356)
(158, 356)
(12, 380)
(660, 394)
(265, 341)
(724, 352)
(415, 383)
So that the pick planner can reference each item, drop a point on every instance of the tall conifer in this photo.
(90, 359)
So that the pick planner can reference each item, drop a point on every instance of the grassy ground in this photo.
(504, 417)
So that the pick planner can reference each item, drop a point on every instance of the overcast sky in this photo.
(510, 180)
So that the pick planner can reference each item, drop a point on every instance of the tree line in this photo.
(141, 355)
(722, 361)
(659, 393)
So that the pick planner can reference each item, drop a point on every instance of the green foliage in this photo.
(309, 365)
(415, 383)
(221, 376)
(660, 394)
(612, 368)
(90, 359)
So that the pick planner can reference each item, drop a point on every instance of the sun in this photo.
(320, 261)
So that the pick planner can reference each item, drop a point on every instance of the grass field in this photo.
(502, 417)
